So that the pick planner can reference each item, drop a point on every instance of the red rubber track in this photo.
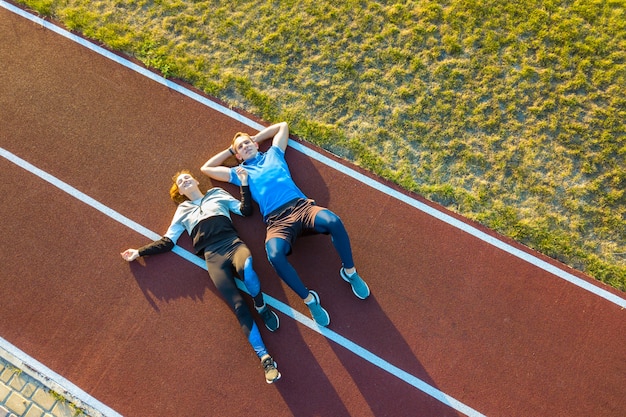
(153, 338)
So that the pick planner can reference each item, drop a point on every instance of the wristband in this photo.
(231, 151)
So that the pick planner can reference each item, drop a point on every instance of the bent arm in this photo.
(214, 168)
(245, 206)
(279, 133)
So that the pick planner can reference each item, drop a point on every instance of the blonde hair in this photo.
(237, 136)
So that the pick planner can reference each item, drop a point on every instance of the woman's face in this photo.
(186, 184)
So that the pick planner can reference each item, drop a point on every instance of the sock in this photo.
(349, 274)
(310, 298)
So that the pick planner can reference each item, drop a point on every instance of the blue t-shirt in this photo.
(270, 181)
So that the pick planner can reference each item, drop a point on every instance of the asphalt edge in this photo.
(64, 391)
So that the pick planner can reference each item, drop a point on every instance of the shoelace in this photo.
(268, 364)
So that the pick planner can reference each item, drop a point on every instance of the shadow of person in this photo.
(376, 350)
(167, 277)
(399, 393)
(164, 279)
(306, 387)
(364, 323)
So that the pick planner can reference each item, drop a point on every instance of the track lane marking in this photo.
(552, 269)
(277, 304)
(446, 218)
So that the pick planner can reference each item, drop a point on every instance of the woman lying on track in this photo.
(206, 217)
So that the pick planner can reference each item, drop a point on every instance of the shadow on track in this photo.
(307, 390)
(166, 277)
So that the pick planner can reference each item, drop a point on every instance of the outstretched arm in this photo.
(130, 254)
(279, 133)
(164, 244)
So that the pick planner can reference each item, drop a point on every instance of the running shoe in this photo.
(359, 287)
(271, 370)
(269, 318)
(319, 314)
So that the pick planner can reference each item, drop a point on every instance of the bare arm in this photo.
(279, 133)
(214, 168)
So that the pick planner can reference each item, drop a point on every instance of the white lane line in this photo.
(277, 304)
(558, 272)
(446, 218)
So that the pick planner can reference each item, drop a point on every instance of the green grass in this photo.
(510, 113)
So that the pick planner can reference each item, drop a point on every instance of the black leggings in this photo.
(223, 260)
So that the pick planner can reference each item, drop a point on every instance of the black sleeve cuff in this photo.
(162, 245)
(246, 201)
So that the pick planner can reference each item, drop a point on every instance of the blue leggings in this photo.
(221, 264)
(278, 249)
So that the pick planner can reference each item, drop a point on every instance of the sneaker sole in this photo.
(271, 381)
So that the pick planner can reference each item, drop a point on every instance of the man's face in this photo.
(245, 148)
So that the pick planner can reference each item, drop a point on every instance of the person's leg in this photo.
(220, 268)
(328, 222)
(220, 271)
(277, 250)
(242, 262)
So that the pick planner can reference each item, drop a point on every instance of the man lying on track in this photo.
(287, 212)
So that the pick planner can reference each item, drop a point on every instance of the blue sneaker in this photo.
(359, 287)
(319, 314)
(270, 319)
